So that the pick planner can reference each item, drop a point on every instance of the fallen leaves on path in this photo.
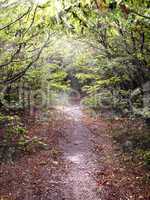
(38, 175)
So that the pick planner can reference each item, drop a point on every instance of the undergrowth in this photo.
(14, 140)
(133, 138)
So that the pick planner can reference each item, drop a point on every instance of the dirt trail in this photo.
(78, 152)
(94, 171)
(91, 161)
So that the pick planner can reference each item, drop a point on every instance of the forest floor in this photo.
(82, 162)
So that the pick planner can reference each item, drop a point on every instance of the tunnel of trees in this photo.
(98, 48)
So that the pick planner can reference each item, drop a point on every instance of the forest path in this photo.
(77, 150)
(81, 162)
(89, 158)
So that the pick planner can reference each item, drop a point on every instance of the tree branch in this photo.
(134, 12)
(12, 57)
(18, 75)
(13, 22)
(32, 22)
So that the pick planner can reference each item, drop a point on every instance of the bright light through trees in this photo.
(40, 1)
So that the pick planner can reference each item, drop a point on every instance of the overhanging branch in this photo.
(16, 20)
